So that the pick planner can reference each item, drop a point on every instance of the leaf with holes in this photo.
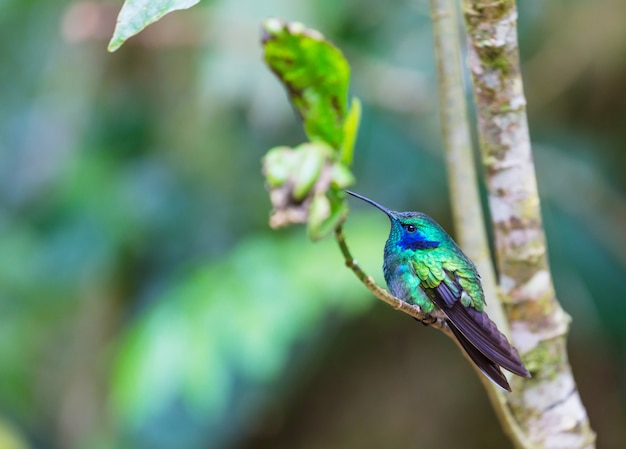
(315, 74)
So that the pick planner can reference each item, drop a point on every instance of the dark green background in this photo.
(144, 303)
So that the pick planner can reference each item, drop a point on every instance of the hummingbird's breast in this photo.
(391, 260)
(401, 278)
(397, 270)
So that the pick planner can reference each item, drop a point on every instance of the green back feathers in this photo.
(417, 240)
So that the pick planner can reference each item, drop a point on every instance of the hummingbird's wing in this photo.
(474, 327)
(488, 367)
(453, 285)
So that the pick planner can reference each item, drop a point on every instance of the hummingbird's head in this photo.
(409, 230)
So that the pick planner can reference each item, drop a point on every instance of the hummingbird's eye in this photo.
(410, 228)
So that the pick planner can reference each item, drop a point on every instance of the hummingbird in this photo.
(425, 267)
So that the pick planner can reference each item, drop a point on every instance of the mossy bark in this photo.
(547, 408)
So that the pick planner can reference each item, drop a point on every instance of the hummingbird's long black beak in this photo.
(389, 213)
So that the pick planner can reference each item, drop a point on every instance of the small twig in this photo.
(384, 295)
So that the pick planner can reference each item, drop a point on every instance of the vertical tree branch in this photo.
(462, 180)
(547, 407)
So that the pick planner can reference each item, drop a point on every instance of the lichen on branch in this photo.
(547, 408)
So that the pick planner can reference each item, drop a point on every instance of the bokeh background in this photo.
(144, 303)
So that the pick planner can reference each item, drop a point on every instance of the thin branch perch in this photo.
(383, 294)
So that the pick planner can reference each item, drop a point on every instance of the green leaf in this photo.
(298, 178)
(309, 168)
(341, 176)
(350, 129)
(10, 438)
(326, 213)
(138, 14)
(315, 74)
(278, 164)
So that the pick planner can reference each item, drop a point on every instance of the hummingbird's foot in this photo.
(427, 321)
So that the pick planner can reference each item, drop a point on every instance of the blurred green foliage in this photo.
(144, 303)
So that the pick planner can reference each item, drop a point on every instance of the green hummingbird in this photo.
(425, 267)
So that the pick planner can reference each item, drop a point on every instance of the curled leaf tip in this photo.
(270, 28)
(296, 28)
